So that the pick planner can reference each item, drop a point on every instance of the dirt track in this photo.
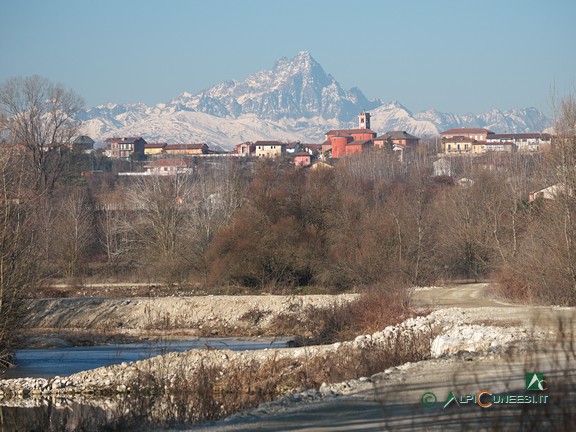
(463, 296)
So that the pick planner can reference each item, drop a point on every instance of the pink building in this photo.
(302, 159)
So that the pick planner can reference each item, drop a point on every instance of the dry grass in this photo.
(377, 307)
(169, 397)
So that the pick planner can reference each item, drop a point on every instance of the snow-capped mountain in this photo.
(394, 116)
(296, 100)
(293, 89)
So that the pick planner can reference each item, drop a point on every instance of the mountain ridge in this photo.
(296, 100)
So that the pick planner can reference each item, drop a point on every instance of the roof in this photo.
(544, 136)
(292, 145)
(128, 140)
(350, 131)
(83, 139)
(268, 143)
(154, 145)
(320, 165)
(303, 153)
(312, 146)
(185, 146)
(396, 135)
(358, 142)
(466, 131)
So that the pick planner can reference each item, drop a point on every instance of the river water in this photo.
(50, 362)
(125, 412)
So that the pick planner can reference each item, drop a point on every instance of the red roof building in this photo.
(338, 140)
(126, 148)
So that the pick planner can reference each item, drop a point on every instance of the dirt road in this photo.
(464, 296)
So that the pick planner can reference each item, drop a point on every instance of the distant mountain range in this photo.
(296, 100)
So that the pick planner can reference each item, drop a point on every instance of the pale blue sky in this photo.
(457, 56)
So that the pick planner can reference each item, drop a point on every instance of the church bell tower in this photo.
(364, 120)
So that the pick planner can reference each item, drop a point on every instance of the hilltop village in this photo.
(160, 158)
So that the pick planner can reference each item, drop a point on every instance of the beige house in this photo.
(458, 145)
(269, 149)
(186, 149)
(493, 146)
(153, 149)
(399, 141)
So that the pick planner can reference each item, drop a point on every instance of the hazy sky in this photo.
(457, 56)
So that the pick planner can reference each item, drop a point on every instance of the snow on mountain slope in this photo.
(296, 100)
(394, 116)
(193, 127)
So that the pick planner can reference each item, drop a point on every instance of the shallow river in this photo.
(49, 362)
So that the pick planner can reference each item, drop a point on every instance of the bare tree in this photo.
(18, 261)
(163, 206)
(41, 116)
(563, 217)
(465, 241)
(412, 209)
(219, 193)
(74, 231)
(114, 230)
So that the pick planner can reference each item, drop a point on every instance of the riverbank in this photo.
(446, 332)
(116, 319)
(455, 339)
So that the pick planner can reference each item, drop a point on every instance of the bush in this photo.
(511, 285)
(378, 306)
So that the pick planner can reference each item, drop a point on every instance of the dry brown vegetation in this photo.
(173, 397)
(378, 306)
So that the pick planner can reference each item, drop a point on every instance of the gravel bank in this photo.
(452, 332)
(184, 316)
